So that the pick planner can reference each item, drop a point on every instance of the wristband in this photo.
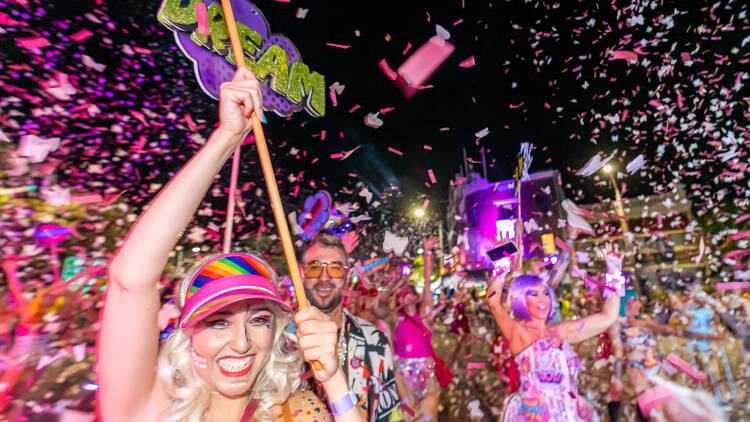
(343, 405)
(614, 284)
(618, 369)
(427, 253)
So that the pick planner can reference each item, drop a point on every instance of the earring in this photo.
(197, 360)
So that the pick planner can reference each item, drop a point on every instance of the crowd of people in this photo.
(224, 343)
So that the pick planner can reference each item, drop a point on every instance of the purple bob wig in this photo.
(519, 288)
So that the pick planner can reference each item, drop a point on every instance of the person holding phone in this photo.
(548, 365)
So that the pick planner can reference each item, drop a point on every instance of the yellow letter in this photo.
(250, 41)
(313, 85)
(273, 61)
(178, 14)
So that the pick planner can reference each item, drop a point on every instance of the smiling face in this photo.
(538, 303)
(324, 292)
(231, 345)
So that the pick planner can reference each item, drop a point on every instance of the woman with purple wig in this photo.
(546, 361)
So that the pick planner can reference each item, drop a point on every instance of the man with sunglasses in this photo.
(364, 351)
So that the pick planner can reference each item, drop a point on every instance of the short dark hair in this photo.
(326, 240)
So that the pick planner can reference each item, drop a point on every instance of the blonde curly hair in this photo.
(188, 393)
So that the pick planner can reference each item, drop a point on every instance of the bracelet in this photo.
(618, 369)
(343, 405)
(427, 253)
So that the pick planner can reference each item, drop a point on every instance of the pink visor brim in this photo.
(226, 291)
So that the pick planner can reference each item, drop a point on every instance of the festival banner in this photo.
(287, 83)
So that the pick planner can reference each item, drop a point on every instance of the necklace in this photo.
(341, 344)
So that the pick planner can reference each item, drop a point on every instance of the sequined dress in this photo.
(549, 388)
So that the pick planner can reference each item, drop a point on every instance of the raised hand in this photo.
(238, 99)
(495, 285)
(430, 243)
(317, 337)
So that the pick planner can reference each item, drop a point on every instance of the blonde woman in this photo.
(229, 359)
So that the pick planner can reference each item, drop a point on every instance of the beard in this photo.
(326, 305)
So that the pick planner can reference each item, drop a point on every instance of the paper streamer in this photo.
(733, 285)
(686, 368)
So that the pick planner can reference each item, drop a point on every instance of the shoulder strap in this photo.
(247, 416)
(287, 412)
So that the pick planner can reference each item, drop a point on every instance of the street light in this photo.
(419, 212)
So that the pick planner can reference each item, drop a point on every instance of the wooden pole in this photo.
(268, 175)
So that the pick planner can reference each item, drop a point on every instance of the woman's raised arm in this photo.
(508, 325)
(427, 300)
(129, 337)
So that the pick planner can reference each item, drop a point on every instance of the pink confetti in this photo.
(624, 55)
(408, 47)
(85, 198)
(81, 35)
(741, 218)
(138, 147)
(141, 50)
(423, 63)
(695, 374)
(395, 151)
(562, 245)
(202, 15)
(458, 22)
(6, 20)
(337, 156)
(470, 62)
(387, 70)
(740, 235)
(385, 110)
(35, 42)
(355, 108)
(341, 46)
(332, 93)
(189, 119)
(474, 365)
(734, 285)
(425, 204)
(427, 147)
(655, 104)
(432, 176)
